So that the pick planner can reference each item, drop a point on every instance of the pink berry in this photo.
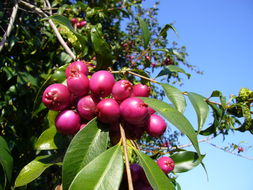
(82, 23)
(141, 90)
(122, 89)
(56, 97)
(151, 110)
(83, 125)
(87, 107)
(78, 84)
(76, 67)
(68, 122)
(166, 164)
(108, 111)
(156, 126)
(101, 83)
(74, 21)
(134, 111)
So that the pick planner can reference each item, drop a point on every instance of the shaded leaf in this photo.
(176, 118)
(87, 144)
(146, 35)
(200, 106)
(177, 69)
(185, 161)
(165, 29)
(34, 169)
(102, 173)
(156, 177)
(175, 96)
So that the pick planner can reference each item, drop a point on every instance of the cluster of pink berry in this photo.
(113, 103)
(78, 23)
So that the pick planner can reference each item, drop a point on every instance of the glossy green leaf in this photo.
(185, 161)
(200, 106)
(102, 49)
(102, 173)
(156, 177)
(146, 34)
(176, 118)
(87, 144)
(50, 139)
(6, 160)
(34, 169)
(175, 96)
(165, 29)
(51, 115)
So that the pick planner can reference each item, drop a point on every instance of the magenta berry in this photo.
(74, 21)
(87, 107)
(156, 126)
(122, 89)
(78, 84)
(108, 111)
(133, 110)
(82, 23)
(151, 110)
(56, 97)
(101, 83)
(141, 90)
(76, 67)
(68, 122)
(83, 125)
(166, 164)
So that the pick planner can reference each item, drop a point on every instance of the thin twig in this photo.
(10, 26)
(57, 33)
(129, 176)
(151, 80)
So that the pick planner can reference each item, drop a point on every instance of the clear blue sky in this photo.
(218, 35)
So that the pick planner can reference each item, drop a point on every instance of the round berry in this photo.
(68, 122)
(108, 111)
(56, 97)
(121, 90)
(141, 90)
(76, 67)
(166, 164)
(78, 84)
(101, 83)
(156, 126)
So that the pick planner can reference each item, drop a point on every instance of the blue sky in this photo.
(218, 35)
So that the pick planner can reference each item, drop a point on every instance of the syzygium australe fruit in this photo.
(141, 90)
(78, 84)
(122, 89)
(166, 164)
(156, 126)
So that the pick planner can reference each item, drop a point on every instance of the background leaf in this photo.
(176, 118)
(87, 144)
(165, 29)
(185, 161)
(146, 35)
(102, 173)
(201, 108)
(156, 177)
(175, 96)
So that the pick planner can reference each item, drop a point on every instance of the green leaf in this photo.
(146, 35)
(185, 161)
(164, 30)
(175, 96)
(200, 106)
(177, 69)
(102, 173)
(87, 144)
(102, 49)
(156, 177)
(6, 160)
(176, 118)
(50, 139)
(34, 169)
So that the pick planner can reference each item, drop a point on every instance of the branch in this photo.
(151, 80)
(129, 177)
(10, 26)
(57, 33)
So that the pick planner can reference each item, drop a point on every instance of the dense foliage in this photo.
(125, 39)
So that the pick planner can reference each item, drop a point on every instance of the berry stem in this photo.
(129, 177)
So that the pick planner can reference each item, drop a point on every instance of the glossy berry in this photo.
(151, 110)
(83, 125)
(108, 111)
(166, 164)
(78, 84)
(76, 67)
(101, 83)
(156, 126)
(82, 23)
(121, 90)
(134, 111)
(141, 90)
(87, 107)
(136, 172)
(56, 97)
(68, 122)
